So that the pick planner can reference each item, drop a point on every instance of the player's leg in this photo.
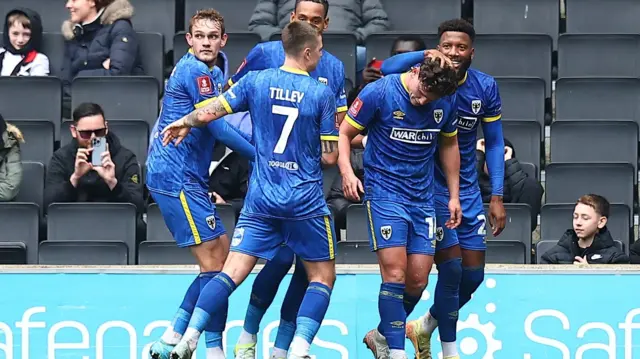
(388, 234)
(314, 241)
(445, 305)
(253, 237)
(289, 310)
(472, 237)
(193, 223)
(265, 288)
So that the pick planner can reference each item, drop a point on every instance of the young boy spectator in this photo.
(518, 186)
(401, 45)
(22, 38)
(589, 241)
(10, 165)
(100, 41)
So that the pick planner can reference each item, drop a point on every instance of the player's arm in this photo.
(230, 137)
(253, 62)
(403, 62)
(494, 154)
(360, 114)
(329, 131)
(450, 162)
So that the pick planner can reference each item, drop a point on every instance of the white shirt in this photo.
(38, 67)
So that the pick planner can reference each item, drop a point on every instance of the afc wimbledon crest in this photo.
(211, 222)
(438, 115)
(439, 234)
(386, 232)
(476, 105)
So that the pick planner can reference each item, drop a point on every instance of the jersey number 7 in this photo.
(292, 116)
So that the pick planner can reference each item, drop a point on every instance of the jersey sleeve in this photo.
(493, 110)
(341, 96)
(450, 127)
(236, 99)
(199, 85)
(328, 130)
(253, 62)
(363, 109)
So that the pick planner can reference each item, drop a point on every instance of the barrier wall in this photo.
(93, 313)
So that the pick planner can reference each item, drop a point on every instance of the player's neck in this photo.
(294, 64)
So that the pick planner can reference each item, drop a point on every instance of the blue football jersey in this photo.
(173, 168)
(270, 55)
(478, 101)
(291, 113)
(402, 140)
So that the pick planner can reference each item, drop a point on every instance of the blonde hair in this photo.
(19, 18)
(207, 14)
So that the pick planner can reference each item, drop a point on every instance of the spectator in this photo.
(229, 181)
(589, 241)
(360, 17)
(72, 178)
(10, 165)
(22, 37)
(402, 44)
(100, 40)
(518, 186)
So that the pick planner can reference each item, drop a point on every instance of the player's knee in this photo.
(325, 274)
(393, 274)
(415, 283)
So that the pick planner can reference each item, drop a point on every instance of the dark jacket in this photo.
(10, 165)
(230, 180)
(603, 250)
(634, 252)
(111, 36)
(518, 187)
(92, 188)
(361, 17)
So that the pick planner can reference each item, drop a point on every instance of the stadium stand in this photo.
(41, 135)
(518, 228)
(419, 15)
(603, 17)
(32, 186)
(379, 45)
(19, 230)
(236, 12)
(507, 252)
(83, 253)
(575, 55)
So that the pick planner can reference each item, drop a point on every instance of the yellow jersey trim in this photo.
(492, 119)
(464, 79)
(342, 109)
(187, 213)
(204, 103)
(328, 138)
(353, 123)
(327, 225)
(230, 82)
(373, 233)
(294, 70)
(404, 82)
(225, 104)
(449, 134)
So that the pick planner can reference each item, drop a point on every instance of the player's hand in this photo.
(437, 55)
(175, 131)
(497, 215)
(371, 74)
(456, 213)
(352, 187)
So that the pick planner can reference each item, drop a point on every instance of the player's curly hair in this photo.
(207, 14)
(457, 25)
(442, 81)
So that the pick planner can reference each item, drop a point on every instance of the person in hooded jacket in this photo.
(10, 165)
(589, 241)
(100, 40)
(22, 38)
(518, 186)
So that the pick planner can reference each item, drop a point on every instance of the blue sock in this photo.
(214, 329)
(472, 277)
(312, 310)
(410, 303)
(265, 288)
(446, 298)
(392, 314)
(290, 306)
(214, 298)
(181, 320)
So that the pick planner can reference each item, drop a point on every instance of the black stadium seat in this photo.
(517, 229)
(20, 224)
(237, 13)
(576, 55)
(420, 15)
(156, 16)
(83, 253)
(603, 17)
(39, 138)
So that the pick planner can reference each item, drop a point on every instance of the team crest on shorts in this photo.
(476, 105)
(386, 232)
(439, 234)
(438, 115)
(211, 221)
(238, 235)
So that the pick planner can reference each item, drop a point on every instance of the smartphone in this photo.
(375, 64)
(99, 146)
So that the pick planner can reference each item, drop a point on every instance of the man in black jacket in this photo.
(589, 241)
(72, 178)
